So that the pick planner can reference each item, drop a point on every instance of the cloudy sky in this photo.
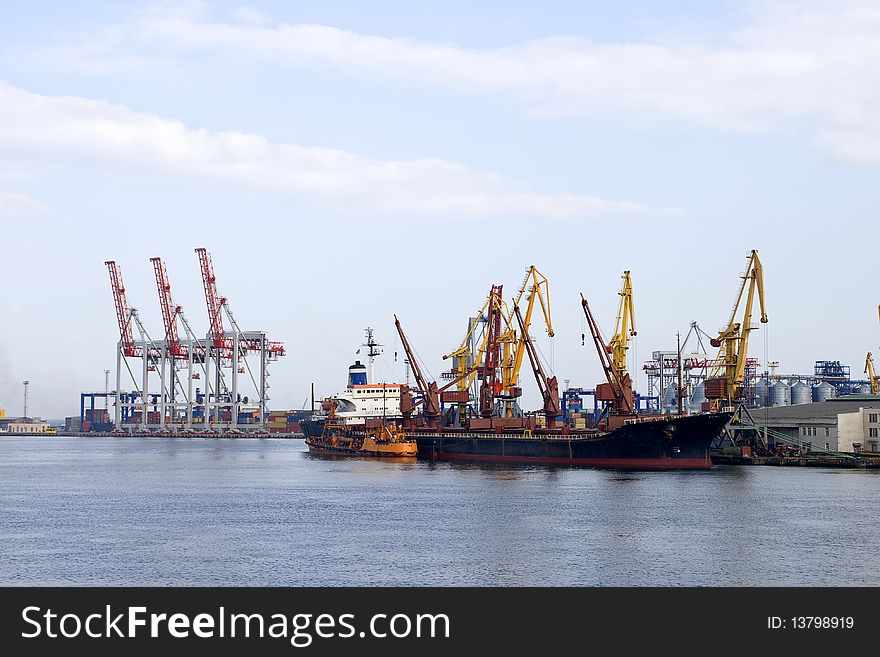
(346, 161)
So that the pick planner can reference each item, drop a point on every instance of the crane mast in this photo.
(624, 328)
(490, 386)
(548, 387)
(733, 341)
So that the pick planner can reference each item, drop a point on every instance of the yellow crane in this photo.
(535, 287)
(733, 341)
(869, 370)
(469, 357)
(624, 329)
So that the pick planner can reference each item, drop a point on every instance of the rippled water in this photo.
(265, 512)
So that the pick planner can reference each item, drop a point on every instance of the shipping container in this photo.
(455, 397)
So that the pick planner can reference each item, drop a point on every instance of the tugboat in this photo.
(385, 440)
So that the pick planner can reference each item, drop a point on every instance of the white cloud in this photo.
(808, 66)
(14, 204)
(90, 134)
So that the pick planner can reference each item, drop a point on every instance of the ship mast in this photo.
(372, 351)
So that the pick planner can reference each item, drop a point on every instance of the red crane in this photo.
(430, 393)
(215, 309)
(123, 314)
(215, 301)
(491, 386)
(548, 386)
(618, 390)
(169, 310)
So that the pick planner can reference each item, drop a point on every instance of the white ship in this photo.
(362, 400)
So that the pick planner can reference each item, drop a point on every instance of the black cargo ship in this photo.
(673, 443)
(651, 443)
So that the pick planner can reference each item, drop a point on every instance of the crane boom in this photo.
(618, 390)
(214, 301)
(216, 304)
(548, 387)
(733, 341)
(123, 313)
(624, 328)
(169, 310)
(428, 389)
(538, 290)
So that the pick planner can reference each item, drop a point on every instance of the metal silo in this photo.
(800, 394)
(780, 394)
(823, 391)
(762, 392)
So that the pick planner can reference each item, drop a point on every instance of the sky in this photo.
(346, 161)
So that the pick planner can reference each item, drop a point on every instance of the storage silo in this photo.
(762, 392)
(780, 394)
(823, 391)
(800, 393)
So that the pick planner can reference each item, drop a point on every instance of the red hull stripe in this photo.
(623, 464)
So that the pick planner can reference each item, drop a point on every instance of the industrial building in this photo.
(840, 424)
(25, 425)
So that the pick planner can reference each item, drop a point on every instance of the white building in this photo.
(859, 431)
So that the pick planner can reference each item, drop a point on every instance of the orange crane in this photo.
(431, 394)
(548, 386)
(618, 389)
(429, 390)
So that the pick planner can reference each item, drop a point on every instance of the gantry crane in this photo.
(548, 386)
(869, 370)
(624, 329)
(733, 341)
(216, 304)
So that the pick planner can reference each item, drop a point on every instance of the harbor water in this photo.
(154, 511)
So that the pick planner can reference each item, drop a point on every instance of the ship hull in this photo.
(312, 428)
(678, 443)
(364, 447)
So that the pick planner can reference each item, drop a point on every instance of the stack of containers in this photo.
(277, 421)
